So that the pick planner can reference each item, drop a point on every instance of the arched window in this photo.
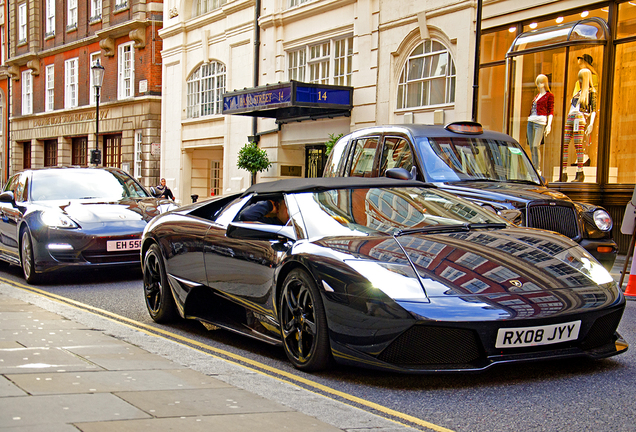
(201, 7)
(206, 86)
(427, 78)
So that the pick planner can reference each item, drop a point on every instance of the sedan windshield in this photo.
(390, 211)
(72, 184)
(473, 159)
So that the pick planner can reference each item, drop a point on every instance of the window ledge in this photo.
(203, 119)
(425, 108)
(71, 28)
(49, 35)
(22, 42)
(95, 19)
(121, 7)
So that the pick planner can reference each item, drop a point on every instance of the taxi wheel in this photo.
(303, 323)
(26, 258)
(159, 300)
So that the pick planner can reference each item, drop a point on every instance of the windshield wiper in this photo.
(450, 228)
(523, 182)
(481, 179)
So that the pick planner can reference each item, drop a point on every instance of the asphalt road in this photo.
(569, 395)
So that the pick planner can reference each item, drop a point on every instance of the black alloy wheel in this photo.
(303, 323)
(159, 300)
(26, 258)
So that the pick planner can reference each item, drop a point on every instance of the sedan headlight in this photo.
(603, 220)
(57, 220)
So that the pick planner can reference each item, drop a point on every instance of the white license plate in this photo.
(123, 245)
(516, 337)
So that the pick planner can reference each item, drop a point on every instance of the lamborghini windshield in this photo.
(474, 159)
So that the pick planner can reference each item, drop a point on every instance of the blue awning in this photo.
(290, 101)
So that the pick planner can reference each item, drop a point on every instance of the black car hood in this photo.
(501, 192)
(492, 274)
(96, 211)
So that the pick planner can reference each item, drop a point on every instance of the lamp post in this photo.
(98, 78)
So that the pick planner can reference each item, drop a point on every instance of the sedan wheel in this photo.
(26, 258)
(303, 323)
(159, 299)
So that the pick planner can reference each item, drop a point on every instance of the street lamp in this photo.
(98, 78)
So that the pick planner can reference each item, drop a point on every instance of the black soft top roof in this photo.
(328, 183)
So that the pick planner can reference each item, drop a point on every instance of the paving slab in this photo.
(199, 402)
(15, 322)
(7, 388)
(57, 427)
(56, 337)
(268, 422)
(41, 359)
(123, 356)
(113, 381)
(65, 409)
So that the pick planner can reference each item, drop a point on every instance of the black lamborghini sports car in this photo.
(382, 273)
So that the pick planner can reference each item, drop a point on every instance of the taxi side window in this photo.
(363, 158)
(396, 153)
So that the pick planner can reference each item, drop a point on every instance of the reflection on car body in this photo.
(486, 167)
(383, 273)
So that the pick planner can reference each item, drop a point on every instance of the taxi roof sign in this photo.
(465, 127)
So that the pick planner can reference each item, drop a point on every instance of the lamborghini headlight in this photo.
(398, 281)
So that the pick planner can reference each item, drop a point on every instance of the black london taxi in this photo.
(486, 167)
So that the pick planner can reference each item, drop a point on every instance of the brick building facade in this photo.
(52, 46)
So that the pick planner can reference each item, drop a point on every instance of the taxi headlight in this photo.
(603, 220)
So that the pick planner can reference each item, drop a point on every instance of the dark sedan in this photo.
(382, 273)
(56, 218)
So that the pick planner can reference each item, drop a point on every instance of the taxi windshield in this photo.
(475, 159)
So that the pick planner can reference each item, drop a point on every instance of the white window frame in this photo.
(204, 88)
(22, 23)
(71, 14)
(407, 82)
(328, 62)
(96, 10)
(93, 59)
(201, 7)
(293, 3)
(138, 154)
(71, 76)
(126, 71)
(50, 18)
(49, 91)
(27, 92)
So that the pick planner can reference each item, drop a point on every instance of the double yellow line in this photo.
(236, 359)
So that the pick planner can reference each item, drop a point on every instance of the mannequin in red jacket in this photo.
(540, 118)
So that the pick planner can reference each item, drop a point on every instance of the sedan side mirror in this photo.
(7, 197)
(398, 173)
(259, 231)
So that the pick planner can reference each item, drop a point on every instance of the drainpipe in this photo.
(477, 59)
(257, 49)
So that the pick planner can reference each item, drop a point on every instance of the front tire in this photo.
(26, 258)
(159, 300)
(303, 323)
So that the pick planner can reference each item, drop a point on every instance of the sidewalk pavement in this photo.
(64, 369)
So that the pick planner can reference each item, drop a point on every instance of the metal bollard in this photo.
(194, 197)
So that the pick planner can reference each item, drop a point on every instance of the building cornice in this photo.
(301, 12)
(204, 20)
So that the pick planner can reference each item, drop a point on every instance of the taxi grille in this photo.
(424, 345)
(554, 217)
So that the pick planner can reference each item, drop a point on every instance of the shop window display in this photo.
(570, 73)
